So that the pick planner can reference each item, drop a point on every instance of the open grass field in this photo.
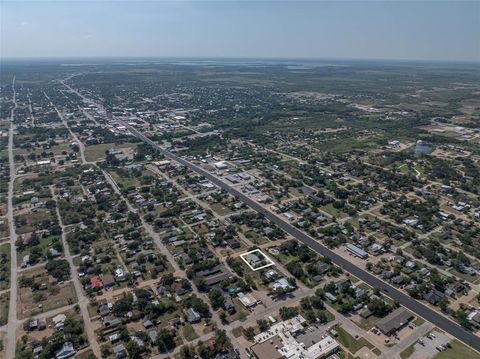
(367, 323)
(333, 211)
(84, 355)
(220, 209)
(407, 352)
(45, 244)
(4, 305)
(58, 149)
(350, 343)
(29, 222)
(240, 313)
(189, 333)
(5, 266)
(4, 231)
(457, 351)
(97, 152)
(30, 303)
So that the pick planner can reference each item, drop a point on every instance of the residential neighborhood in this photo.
(170, 210)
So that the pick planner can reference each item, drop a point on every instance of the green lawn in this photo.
(5, 252)
(4, 303)
(45, 244)
(237, 332)
(220, 209)
(84, 355)
(189, 333)
(97, 152)
(475, 279)
(367, 323)
(240, 312)
(333, 211)
(419, 321)
(407, 352)
(458, 350)
(350, 343)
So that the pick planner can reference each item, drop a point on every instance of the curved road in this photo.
(415, 306)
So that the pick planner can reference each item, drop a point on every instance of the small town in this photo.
(221, 209)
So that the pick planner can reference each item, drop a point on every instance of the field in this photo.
(4, 302)
(5, 262)
(31, 303)
(29, 222)
(350, 343)
(458, 350)
(97, 152)
(333, 211)
(221, 209)
(367, 323)
(189, 333)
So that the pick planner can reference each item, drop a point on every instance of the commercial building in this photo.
(221, 165)
(394, 321)
(357, 251)
(290, 340)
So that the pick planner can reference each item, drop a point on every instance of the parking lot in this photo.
(428, 350)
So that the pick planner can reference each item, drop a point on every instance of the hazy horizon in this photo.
(388, 30)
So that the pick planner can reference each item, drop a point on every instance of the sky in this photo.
(400, 30)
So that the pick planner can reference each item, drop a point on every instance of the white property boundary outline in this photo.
(271, 263)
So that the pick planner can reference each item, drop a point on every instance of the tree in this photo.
(185, 283)
(105, 351)
(317, 302)
(38, 297)
(223, 316)
(462, 318)
(134, 351)
(216, 298)
(249, 333)
(165, 339)
(201, 349)
(122, 306)
(305, 303)
(263, 325)
(378, 307)
(187, 352)
(59, 269)
(288, 312)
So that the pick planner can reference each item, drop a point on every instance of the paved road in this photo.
(415, 306)
(12, 312)
(82, 300)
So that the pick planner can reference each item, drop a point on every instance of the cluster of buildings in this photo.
(290, 339)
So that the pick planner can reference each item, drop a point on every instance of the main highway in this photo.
(413, 305)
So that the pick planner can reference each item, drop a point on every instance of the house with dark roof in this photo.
(119, 351)
(178, 289)
(434, 296)
(214, 275)
(394, 321)
(108, 280)
(103, 310)
(229, 306)
(233, 243)
(66, 351)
